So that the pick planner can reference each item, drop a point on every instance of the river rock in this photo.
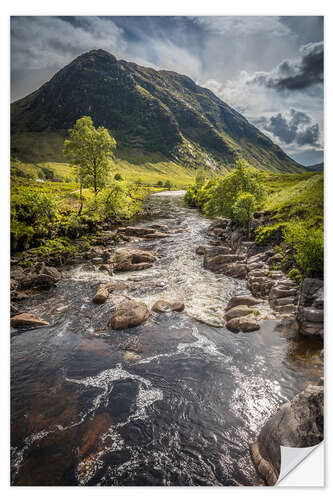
(297, 424)
(26, 319)
(164, 306)
(242, 300)
(310, 314)
(108, 268)
(216, 262)
(243, 323)
(234, 270)
(101, 294)
(237, 311)
(155, 234)
(39, 281)
(132, 259)
(200, 250)
(130, 313)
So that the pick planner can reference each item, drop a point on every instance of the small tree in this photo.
(160, 184)
(243, 209)
(167, 185)
(89, 150)
(200, 178)
(118, 177)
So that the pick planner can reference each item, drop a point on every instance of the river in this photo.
(175, 401)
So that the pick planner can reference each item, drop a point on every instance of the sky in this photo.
(268, 68)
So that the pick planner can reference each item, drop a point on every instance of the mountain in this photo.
(145, 110)
(319, 167)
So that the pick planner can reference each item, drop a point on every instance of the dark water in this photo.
(183, 410)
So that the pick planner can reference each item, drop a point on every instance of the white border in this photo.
(140, 7)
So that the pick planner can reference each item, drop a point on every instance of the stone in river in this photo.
(246, 300)
(164, 306)
(26, 319)
(237, 311)
(101, 294)
(297, 424)
(129, 314)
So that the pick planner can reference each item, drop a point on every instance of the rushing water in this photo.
(182, 409)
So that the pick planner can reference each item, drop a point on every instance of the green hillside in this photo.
(147, 111)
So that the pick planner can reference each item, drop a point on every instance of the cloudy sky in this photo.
(268, 68)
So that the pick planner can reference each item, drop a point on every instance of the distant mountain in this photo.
(146, 110)
(319, 167)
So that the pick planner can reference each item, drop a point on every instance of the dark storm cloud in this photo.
(295, 127)
(296, 74)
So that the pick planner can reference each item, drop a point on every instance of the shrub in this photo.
(243, 209)
(270, 234)
(308, 244)
(167, 185)
(224, 192)
(118, 177)
(296, 275)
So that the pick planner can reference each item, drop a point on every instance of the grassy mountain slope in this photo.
(147, 111)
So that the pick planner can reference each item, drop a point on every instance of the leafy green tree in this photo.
(118, 177)
(89, 150)
(160, 184)
(225, 191)
(168, 185)
(200, 178)
(244, 208)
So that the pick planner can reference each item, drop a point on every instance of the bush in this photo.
(270, 234)
(296, 275)
(243, 209)
(167, 185)
(31, 215)
(225, 191)
(308, 244)
(118, 177)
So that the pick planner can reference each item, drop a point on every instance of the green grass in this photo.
(296, 197)
(149, 168)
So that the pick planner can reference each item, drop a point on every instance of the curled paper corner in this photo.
(292, 457)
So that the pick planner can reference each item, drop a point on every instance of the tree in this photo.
(167, 185)
(160, 184)
(118, 177)
(200, 178)
(244, 208)
(89, 150)
(224, 192)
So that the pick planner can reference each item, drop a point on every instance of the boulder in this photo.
(216, 262)
(297, 424)
(164, 306)
(234, 270)
(243, 323)
(39, 281)
(310, 313)
(26, 319)
(200, 250)
(156, 234)
(130, 313)
(101, 294)
(132, 259)
(107, 268)
(237, 311)
(242, 300)
(313, 314)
